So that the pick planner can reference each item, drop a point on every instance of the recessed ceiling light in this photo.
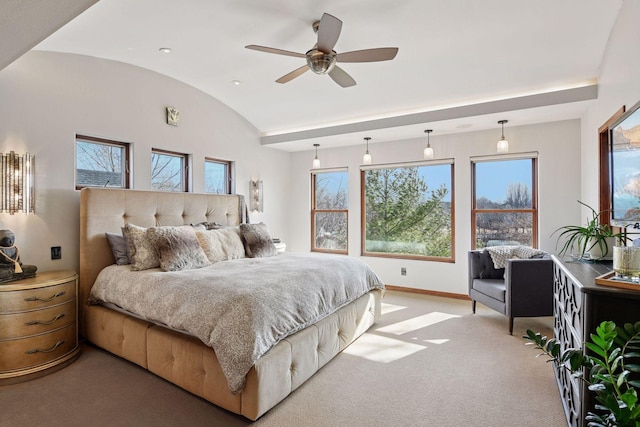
(236, 82)
(165, 49)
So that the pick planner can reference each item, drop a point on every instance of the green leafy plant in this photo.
(612, 366)
(587, 237)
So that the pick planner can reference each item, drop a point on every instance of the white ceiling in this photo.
(461, 66)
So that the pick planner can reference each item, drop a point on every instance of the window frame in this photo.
(229, 174)
(185, 158)
(534, 210)
(126, 146)
(363, 211)
(315, 210)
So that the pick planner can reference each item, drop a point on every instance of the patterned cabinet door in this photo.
(568, 312)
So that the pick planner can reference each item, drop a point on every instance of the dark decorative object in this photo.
(11, 268)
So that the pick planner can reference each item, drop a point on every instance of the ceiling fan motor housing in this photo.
(320, 62)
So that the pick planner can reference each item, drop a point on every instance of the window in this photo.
(218, 176)
(504, 201)
(169, 171)
(408, 210)
(101, 163)
(329, 213)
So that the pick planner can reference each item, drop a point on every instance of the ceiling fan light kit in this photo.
(322, 59)
(320, 62)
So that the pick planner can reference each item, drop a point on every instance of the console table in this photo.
(579, 307)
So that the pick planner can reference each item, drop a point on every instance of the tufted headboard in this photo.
(107, 210)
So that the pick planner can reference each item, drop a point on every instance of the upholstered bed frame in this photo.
(182, 359)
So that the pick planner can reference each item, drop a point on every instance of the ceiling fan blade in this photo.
(328, 32)
(341, 77)
(274, 50)
(368, 55)
(292, 75)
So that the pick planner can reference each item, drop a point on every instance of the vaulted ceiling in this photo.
(461, 66)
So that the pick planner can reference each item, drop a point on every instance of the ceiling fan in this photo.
(322, 59)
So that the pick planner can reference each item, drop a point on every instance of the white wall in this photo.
(558, 144)
(46, 98)
(618, 85)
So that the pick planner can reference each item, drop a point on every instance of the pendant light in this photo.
(316, 160)
(366, 159)
(428, 151)
(503, 144)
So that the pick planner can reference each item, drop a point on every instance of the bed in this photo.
(182, 358)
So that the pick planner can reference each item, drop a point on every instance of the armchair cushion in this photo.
(495, 288)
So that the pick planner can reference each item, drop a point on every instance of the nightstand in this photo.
(38, 325)
(280, 247)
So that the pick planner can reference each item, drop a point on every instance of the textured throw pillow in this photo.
(178, 248)
(257, 241)
(211, 245)
(118, 248)
(142, 252)
(231, 242)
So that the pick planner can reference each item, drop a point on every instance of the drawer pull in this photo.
(56, 295)
(48, 350)
(45, 322)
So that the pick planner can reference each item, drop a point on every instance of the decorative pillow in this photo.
(142, 252)
(257, 241)
(118, 248)
(231, 242)
(211, 245)
(178, 248)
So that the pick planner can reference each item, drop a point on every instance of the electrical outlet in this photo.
(403, 271)
(56, 252)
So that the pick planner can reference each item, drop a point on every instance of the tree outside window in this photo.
(168, 171)
(408, 211)
(101, 163)
(504, 203)
(217, 176)
(329, 212)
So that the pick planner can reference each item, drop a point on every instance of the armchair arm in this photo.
(529, 287)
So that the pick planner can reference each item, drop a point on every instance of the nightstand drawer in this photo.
(18, 325)
(32, 299)
(28, 352)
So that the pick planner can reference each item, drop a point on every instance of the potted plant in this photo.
(593, 239)
(612, 365)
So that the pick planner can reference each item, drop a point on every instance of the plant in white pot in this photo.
(591, 241)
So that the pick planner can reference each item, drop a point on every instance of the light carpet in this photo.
(427, 362)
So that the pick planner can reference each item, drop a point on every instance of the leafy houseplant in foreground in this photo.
(593, 236)
(613, 370)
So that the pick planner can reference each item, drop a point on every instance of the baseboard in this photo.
(428, 292)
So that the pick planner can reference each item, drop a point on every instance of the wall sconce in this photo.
(503, 144)
(428, 151)
(17, 183)
(366, 159)
(316, 160)
(255, 198)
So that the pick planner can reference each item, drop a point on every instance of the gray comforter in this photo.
(241, 308)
